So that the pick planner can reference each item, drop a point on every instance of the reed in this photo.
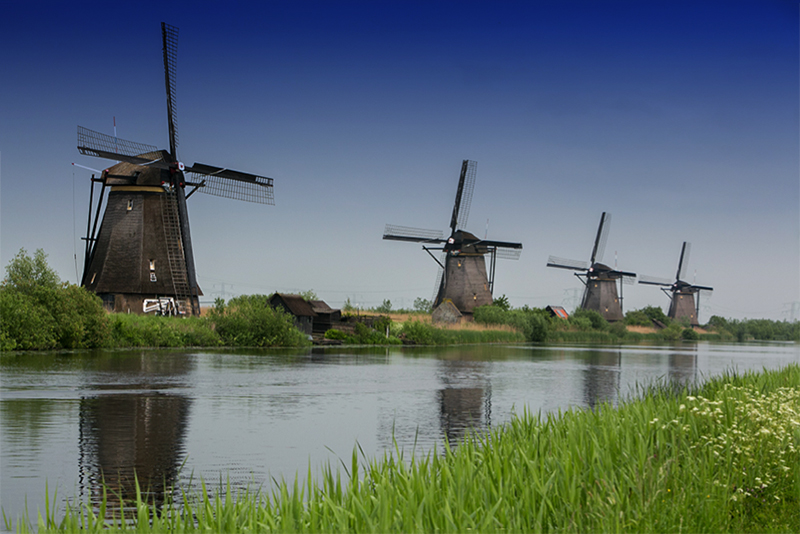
(720, 457)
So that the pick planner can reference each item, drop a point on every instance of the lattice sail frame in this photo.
(259, 191)
(411, 232)
(466, 195)
(92, 143)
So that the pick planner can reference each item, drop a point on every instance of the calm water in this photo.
(249, 417)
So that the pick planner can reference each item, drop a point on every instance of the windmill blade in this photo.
(439, 276)
(684, 261)
(258, 189)
(602, 237)
(417, 235)
(99, 145)
(220, 172)
(654, 280)
(466, 185)
(627, 279)
(563, 263)
(169, 37)
(508, 253)
(704, 289)
(622, 274)
(503, 244)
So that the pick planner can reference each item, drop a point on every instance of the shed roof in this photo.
(558, 311)
(320, 306)
(296, 304)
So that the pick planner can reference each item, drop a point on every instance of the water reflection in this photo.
(132, 430)
(601, 377)
(465, 401)
(683, 366)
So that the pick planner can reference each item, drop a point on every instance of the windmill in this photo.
(683, 303)
(462, 268)
(142, 254)
(600, 280)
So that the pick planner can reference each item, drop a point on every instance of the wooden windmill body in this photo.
(463, 277)
(684, 298)
(142, 252)
(600, 281)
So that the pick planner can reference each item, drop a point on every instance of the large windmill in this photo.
(463, 277)
(684, 297)
(142, 252)
(600, 280)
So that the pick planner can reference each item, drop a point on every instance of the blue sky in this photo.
(679, 118)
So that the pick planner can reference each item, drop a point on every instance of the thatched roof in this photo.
(294, 304)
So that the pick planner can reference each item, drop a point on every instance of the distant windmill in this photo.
(600, 280)
(143, 251)
(683, 303)
(463, 278)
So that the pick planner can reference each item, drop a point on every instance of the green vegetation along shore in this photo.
(718, 457)
(40, 312)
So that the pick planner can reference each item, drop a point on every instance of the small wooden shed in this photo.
(557, 311)
(326, 317)
(446, 312)
(297, 306)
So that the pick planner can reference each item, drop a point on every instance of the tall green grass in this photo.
(722, 457)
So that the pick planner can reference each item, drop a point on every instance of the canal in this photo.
(68, 420)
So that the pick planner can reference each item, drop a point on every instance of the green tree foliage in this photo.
(656, 314)
(348, 306)
(386, 307)
(689, 334)
(38, 311)
(534, 323)
(502, 303)
(249, 321)
(638, 318)
(422, 305)
(597, 320)
(756, 329)
(309, 295)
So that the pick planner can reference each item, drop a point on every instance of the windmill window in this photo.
(153, 277)
(93, 277)
(130, 205)
(152, 265)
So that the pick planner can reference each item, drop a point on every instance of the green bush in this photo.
(689, 334)
(335, 334)
(656, 314)
(597, 320)
(249, 321)
(618, 329)
(637, 318)
(38, 311)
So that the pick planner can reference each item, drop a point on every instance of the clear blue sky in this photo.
(679, 118)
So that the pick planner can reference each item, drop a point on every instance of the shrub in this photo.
(656, 314)
(38, 311)
(618, 329)
(597, 320)
(335, 334)
(689, 334)
(637, 318)
(249, 321)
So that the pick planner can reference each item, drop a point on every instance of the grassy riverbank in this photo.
(721, 457)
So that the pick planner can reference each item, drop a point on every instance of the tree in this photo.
(502, 303)
(422, 305)
(386, 307)
(38, 311)
(309, 295)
